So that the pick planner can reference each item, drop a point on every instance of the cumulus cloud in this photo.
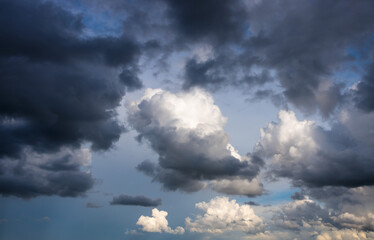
(312, 156)
(157, 223)
(64, 173)
(135, 200)
(224, 215)
(186, 130)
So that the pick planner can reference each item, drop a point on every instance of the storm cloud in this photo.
(136, 201)
(58, 89)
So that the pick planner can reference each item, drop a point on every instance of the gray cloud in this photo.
(311, 156)
(60, 173)
(93, 205)
(303, 51)
(58, 90)
(363, 95)
(135, 201)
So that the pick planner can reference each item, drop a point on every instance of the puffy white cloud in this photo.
(186, 130)
(224, 215)
(157, 223)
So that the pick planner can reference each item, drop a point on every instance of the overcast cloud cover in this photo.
(202, 119)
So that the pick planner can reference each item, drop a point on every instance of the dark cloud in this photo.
(219, 22)
(93, 205)
(364, 96)
(305, 44)
(47, 99)
(60, 173)
(59, 89)
(135, 201)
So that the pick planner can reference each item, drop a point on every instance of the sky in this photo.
(171, 119)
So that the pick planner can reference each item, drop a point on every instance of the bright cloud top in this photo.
(157, 223)
(189, 110)
(186, 130)
(222, 215)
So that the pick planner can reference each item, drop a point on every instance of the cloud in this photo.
(222, 215)
(64, 173)
(352, 207)
(208, 20)
(345, 234)
(304, 52)
(238, 187)
(93, 205)
(157, 223)
(186, 131)
(59, 88)
(363, 95)
(301, 213)
(135, 201)
(312, 156)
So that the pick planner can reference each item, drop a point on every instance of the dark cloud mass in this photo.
(219, 22)
(58, 88)
(135, 201)
(305, 43)
(60, 173)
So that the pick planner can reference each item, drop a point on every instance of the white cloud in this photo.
(186, 130)
(157, 223)
(222, 215)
